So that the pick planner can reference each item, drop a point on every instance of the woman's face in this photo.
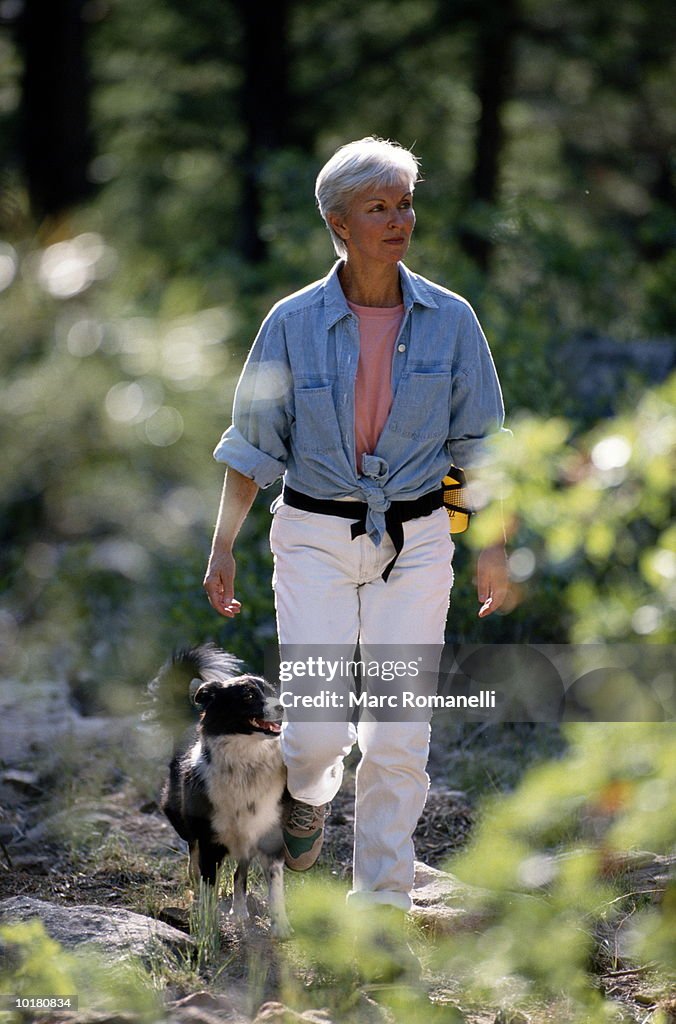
(379, 224)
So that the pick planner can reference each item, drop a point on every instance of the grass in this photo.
(487, 759)
(205, 923)
(125, 858)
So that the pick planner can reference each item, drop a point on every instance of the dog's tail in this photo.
(170, 693)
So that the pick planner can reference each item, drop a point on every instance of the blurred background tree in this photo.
(157, 178)
(156, 170)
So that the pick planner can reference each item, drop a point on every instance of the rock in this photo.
(25, 782)
(643, 870)
(202, 1001)
(207, 1006)
(198, 1015)
(34, 863)
(80, 821)
(115, 932)
(442, 904)
(90, 1017)
(643, 867)
(37, 718)
(277, 1013)
(510, 1017)
(432, 886)
(646, 998)
(87, 821)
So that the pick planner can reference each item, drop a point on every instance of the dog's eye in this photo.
(248, 696)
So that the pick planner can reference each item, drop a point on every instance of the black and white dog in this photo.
(226, 790)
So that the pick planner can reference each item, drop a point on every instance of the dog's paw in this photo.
(239, 912)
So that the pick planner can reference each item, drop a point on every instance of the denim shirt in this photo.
(294, 404)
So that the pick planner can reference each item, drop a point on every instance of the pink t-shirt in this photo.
(378, 330)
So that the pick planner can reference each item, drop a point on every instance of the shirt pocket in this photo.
(422, 406)
(317, 431)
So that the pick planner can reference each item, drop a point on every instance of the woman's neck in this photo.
(379, 287)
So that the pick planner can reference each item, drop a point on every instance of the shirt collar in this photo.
(414, 289)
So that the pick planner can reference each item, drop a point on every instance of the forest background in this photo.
(157, 197)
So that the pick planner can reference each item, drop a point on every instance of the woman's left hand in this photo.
(492, 579)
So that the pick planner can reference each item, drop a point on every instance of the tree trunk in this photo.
(264, 103)
(496, 29)
(55, 140)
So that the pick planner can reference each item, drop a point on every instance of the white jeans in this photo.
(329, 591)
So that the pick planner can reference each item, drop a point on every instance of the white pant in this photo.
(329, 591)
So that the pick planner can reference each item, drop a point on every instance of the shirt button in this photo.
(401, 348)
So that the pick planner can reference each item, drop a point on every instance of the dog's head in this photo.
(241, 706)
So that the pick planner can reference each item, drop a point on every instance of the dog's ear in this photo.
(204, 695)
(194, 687)
(268, 689)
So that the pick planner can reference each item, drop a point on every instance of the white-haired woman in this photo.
(361, 390)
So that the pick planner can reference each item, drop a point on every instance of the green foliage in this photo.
(122, 332)
(546, 863)
(548, 870)
(189, 617)
(345, 950)
(481, 759)
(35, 965)
(205, 924)
(109, 492)
(548, 860)
(596, 511)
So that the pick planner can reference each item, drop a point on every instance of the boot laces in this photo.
(307, 817)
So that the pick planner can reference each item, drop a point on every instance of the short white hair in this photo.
(352, 168)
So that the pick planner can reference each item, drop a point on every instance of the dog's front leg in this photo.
(239, 909)
(194, 870)
(273, 867)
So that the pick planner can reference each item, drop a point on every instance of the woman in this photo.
(361, 389)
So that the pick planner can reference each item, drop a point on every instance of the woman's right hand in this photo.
(219, 584)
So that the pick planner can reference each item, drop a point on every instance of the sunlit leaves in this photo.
(594, 508)
(548, 860)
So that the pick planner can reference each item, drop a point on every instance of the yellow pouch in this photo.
(456, 501)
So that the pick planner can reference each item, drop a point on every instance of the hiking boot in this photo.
(303, 833)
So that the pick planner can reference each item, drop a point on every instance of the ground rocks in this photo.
(277, 1013)
(442, 904)
(510, 1017)
(208, 1006)
(116, 933)
(37, 719)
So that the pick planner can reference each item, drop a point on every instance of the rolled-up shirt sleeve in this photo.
(477, 409)
(256, 444)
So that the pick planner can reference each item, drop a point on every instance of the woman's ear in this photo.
(339, 226)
